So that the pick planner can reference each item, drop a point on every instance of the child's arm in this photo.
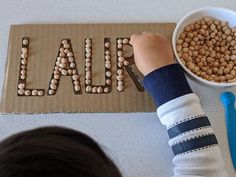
(195, 147)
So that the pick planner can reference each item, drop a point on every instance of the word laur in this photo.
(65, 66)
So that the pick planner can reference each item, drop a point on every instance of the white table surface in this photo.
(136, 141)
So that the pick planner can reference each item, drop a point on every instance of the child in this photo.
(60, 152)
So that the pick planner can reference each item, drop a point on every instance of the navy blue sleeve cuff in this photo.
(166, 83)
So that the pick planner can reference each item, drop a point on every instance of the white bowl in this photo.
(216, 12)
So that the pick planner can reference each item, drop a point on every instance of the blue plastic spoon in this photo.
(228, 100)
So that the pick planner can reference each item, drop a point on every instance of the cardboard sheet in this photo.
(44, 45)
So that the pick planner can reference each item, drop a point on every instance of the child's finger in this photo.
(133, 38)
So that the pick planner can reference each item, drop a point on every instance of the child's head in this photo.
(54, 152)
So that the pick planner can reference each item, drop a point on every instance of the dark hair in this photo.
(54, 152)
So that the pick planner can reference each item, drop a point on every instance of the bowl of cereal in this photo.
(204, 43)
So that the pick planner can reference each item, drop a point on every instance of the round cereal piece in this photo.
(108, 73)
(63, 72)
(119, 71)
(107, 52)
(34, 92)
(108, 66)
(21, 86)
(69, 54)
(107, 62)
(121, 59)
(54, 81)
(77, 88)
(108, 81)
(228, 77)
(24, 50)
(233, 57)
(119, 46)
(220, 71)
(70, 59)
(88, 81)
(75, 77)
(76, 82)
(61, 50)
(66, 51)
(222, 78)
(88, 89)
(179, 41)
(74, 71)
(88, 65)
(63, 60)
(119, 53)
(24, 61)
(100, 90)
(25, 42)
(119, 41)
(106, 89)
(88, 55)
(120, 77)
(226, 71)
(120, 64)
(125, 41)
(27, 92)
(229, 38)
(56, 68)
(88, 40)
(72, 65)
(233, 43)
(179, 48)
(55, 72)
(56, 76)
(23, 67)
(66, 46)
(88, 45)
(88, 50)
(62, 55)
(40, 93)
(227, 31)
(21, 91)
(120, 83)
(88, 76)
(120, 88)
(64, 41)
(58, 63)
(53, 86)
(126, 63)
(51, 92)
(87, 60)
(107, 44)
(213, 27)
(94, 89)
(233, 72)
(107, 57)
(62, 65)
(69, 72)
(59, 59)
(23, 77)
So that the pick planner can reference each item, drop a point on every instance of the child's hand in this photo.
(151, 51)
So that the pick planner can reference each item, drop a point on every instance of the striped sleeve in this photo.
(192, 139)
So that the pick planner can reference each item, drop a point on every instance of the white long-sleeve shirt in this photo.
(192, 138)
